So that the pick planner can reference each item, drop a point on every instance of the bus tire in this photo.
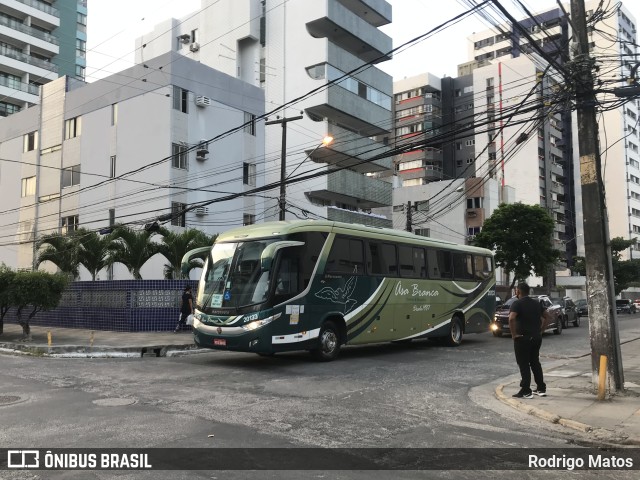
(454, 338)
(328, 343)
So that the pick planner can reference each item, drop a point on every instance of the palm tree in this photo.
(61, 250)
(132, 248)
(175, 244)
(94, 251)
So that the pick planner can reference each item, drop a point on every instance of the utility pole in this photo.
(603, 327)
(409, 226)
(283, 160)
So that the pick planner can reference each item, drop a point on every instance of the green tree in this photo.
(61, 250)
(175, 244)
(35, 292)
(94, 250)
(132, 248)
(6, 280)
(625, 272)
(520, 236)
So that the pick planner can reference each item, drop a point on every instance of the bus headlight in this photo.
(260, 323)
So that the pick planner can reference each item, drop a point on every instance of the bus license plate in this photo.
(220, 341)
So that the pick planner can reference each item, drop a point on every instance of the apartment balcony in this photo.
(347, 30)
(36, 9)
(557, 187)
(20, 62)
(8, 26)
(430, 173)
(19, 91)
(353, 188)
(344, 107)
(353, 151)
(557, 169)
(347, 216)
(430, 155)
(377, 12)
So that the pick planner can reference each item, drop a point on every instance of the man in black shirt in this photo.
(186, 308)
(526, 325)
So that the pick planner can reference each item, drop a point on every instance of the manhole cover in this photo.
(114, 402)
(9, 399)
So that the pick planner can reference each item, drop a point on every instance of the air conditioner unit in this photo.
(201, 211)
(185, 38)
(203, 101)
(195, 46)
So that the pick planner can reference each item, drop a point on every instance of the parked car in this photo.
(582, 307)
(568, 311)
(500, 324)
(636, 303)
(625, 306)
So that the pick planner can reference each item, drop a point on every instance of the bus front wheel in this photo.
(455, 333)
(328, 343)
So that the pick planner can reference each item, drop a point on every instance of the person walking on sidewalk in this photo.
(526, 323)
(186, 309)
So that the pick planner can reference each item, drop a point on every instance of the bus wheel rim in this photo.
(455, 331)
(329, 341)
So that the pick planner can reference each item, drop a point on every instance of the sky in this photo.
(113, 26)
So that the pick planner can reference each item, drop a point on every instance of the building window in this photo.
(423, 232)
(69, 224)
(249, 123)
(180, 99)
(178, 215)
(28, 186)
(30, 141)
(114, 114)
(112, 217)
(8, 108)
(469, 143)
(249, 174)
(458, 163)
(80, 72)
(81, 48)
(194, 35)
(180, 158)
(112, 168)
(248, 219)
(71, 176)
(475, 202)
(72, 128)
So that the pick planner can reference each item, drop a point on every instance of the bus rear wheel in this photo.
(328, 343)
(454, 338)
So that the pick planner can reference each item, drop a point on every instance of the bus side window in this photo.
(346, 257)
(382, 259)
(439, 262)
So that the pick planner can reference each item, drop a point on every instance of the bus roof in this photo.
(271, 229)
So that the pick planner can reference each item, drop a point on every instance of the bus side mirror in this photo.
(269, 252)
(185, 264)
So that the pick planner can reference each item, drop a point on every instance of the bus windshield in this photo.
(232, 276)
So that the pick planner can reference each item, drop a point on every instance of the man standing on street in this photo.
(526, 323)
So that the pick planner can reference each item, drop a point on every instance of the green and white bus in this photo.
(318, 285)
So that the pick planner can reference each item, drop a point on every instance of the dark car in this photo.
(568, 311)
(582, 307)
(625, 306)
(500, 324)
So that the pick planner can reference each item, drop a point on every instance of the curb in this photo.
(75, 351)
(601, 433)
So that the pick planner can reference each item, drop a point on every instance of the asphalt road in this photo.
(410, 395)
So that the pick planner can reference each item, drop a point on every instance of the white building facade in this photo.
(141, 144)
(290, 49)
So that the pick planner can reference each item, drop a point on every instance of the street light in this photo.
(325, 141)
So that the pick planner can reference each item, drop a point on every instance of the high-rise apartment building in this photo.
(480, 133)
(40, 40)
(292, 49)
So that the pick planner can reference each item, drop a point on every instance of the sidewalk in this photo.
(570, 401)
(73, 342)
